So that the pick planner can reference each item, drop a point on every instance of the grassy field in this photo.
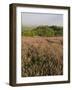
(41, 56)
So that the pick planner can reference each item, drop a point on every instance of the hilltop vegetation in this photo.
(46, 31)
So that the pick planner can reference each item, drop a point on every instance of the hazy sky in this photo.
(35, 19)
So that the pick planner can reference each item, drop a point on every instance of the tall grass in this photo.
(41, 56)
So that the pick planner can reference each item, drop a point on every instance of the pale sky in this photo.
(35, 19)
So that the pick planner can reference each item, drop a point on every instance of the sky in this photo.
(36, 19)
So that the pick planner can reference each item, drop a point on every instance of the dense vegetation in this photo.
(41, 56)
(42, 31)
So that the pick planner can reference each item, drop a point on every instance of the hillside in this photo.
(46, 31)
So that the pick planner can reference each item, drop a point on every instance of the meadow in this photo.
(42, 51)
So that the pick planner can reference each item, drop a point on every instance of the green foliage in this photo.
(42, 31)
(58, 30)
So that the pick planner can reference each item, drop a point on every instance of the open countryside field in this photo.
(41, 56)
(41, 44)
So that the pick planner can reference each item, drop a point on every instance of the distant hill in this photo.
(42, 31)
